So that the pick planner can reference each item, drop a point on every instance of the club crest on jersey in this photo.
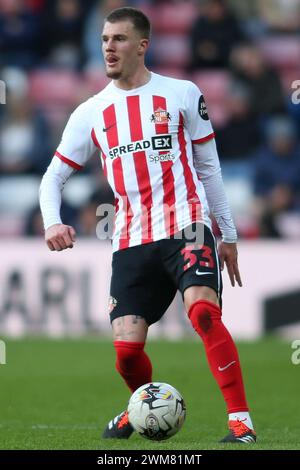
(160, 116)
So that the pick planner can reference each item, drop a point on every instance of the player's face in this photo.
(123, 49)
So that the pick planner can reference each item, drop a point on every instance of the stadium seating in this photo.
(283, 52)
(171, 50)
(18, 195)
(214, 82)
(95, 80)
(176, 19)
(54, 87)
(175, 72)
(214, 85)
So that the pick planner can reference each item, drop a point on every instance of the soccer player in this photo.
(159, 156)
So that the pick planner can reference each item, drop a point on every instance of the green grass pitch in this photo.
(59, 394)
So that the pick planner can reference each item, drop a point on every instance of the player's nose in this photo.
(110, 45)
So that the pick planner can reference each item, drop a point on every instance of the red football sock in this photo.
(133, 363)
(221, 353)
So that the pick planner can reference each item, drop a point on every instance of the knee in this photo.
(194, 294)
(203, 315)
(128, 354)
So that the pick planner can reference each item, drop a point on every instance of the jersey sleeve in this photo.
(196, 116)
(77, 145)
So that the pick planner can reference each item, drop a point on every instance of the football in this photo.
(156, 411)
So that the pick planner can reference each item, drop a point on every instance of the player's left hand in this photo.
(228, 254)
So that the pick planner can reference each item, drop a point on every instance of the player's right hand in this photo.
(59, 237)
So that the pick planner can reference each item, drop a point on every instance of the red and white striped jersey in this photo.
(145, 136)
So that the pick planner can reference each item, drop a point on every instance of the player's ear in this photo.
(143, 46)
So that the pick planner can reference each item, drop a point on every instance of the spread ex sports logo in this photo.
(165, 157)
(158, 142)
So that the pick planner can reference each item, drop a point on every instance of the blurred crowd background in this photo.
(243, 54)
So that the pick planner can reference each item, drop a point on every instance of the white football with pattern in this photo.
(156, 411)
